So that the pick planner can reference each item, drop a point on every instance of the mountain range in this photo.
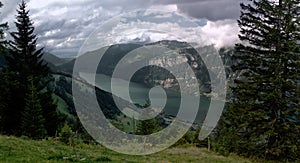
(177, 54)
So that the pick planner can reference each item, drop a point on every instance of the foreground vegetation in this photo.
(262, 119)
(14, 149)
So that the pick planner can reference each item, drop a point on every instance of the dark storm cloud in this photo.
(179, 1)
(208, 9)
(212, 10)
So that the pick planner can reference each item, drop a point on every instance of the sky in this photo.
(63, 26)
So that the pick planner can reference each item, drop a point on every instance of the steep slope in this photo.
(178, 53)
(53, 59)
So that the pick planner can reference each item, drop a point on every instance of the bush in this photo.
(66, 135)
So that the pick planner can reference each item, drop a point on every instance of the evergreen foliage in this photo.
(32, 118)
(147, 127)
(27, 73)
(263, 118)
(53, 120)
(24, 58)
(150, 126)
(66, 134)
(6, 83)
(3, 28)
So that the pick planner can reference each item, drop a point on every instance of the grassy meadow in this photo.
(14, 150)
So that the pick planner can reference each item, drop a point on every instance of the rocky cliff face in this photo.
(175, 59)
(183, 53)
(180, 57)
(180, 60)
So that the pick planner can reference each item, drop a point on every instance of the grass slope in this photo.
(15, 150)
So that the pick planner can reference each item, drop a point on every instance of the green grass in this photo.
(16, 150)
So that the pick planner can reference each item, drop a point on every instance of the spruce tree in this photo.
(25, 60)
(149, 126)
(4, 76)
(52, 117)
(32, 122)
(5, 97)
(263, 118)
(3, 28)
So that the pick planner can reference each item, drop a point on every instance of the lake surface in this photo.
(139, 94)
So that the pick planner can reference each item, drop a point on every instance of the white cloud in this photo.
(63, 25)
(145, 29)
(168, 8)
(222, 32)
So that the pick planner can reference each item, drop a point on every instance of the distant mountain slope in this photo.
(112, 56)
(151, 76)
(53, 59)
(179, 53)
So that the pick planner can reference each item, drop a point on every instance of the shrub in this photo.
(66, 135)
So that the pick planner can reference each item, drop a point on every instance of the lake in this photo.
(139, 94)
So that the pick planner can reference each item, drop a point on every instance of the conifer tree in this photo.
(4, 76)
(52, 118)
(25, 60)
(33, 121)
(3, 27)
(149, 126)
(263, 118)
(6, 96)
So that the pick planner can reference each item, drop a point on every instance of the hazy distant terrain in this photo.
(143, 80)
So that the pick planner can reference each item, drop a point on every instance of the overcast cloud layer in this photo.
(63, 25)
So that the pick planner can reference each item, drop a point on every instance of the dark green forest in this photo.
(261, 118)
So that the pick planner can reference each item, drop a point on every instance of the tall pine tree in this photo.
(4, 76)
(3, 27)
(150, 126)
(263, 118)
(6, 83)
(32, 117)
(23, 61)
